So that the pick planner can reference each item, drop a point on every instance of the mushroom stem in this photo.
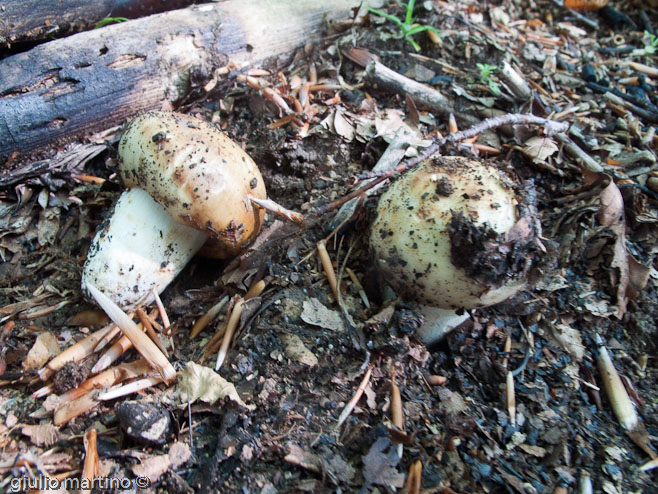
(140, 249)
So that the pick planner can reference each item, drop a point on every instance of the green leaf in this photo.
(109, 20)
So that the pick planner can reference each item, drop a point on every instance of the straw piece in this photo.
(144, 345)
(230, 329)
(74, 353)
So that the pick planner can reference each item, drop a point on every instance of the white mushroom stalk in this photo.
(191, 183)
(455, 233)
(139, 248)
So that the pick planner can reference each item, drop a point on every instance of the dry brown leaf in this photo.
(297, 351)
(45, 347)
(42, 434)
(154, 466)
(379, 466)
(317, 314)
(611, 215)
(197, 382)
(540, 148)
(569, 339)
(342, 126)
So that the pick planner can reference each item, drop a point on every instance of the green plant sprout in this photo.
(485, 77)
(109, 20)
(407, 27)
(650, 45)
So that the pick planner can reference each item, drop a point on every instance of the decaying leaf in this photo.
(45, 347)
(343, 126)
(202, 383)
(569, 339)
(540, 148)
(42, 434)
(380, 466)
(629, 283)
(154, 466)
(297, 351)
(317, 314)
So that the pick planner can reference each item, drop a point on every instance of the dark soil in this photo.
(564, 430)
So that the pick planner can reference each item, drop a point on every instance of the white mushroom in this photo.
(191, 183)
(453, 233)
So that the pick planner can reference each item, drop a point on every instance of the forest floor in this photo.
(299, 356)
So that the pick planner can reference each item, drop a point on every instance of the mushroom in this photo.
(190, 183)
(454, 233)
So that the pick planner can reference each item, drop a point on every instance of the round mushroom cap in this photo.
(200, 176)
(441, 235)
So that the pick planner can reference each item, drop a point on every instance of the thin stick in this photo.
(422, 94)
(108, 378)
(355, 399)
(397, 414)
(359, 287)
(414, 479)
(146, 322)
(163, 312)
(143, 344)
(614, 388)
(71, 409)
(233, 322)
(270, 205)
(108, 337)
(74, 353)
(328, 267)
(255, 290)
(551, 127)
(130, 388)
(121, 346)
(91, 467)
(511, 398)
(208, 317)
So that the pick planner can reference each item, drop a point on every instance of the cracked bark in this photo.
(95, 80)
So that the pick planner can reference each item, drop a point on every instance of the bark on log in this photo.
(97, 79)
(36, 20)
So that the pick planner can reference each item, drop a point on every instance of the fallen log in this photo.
(97, 79)
(36, 20)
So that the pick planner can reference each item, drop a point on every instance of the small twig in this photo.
(256, 289)
(614, 388)
(328, 267)
(142, 343)
(143, 318)
(414, 478)
(91, 467)
(189, 419)
(163, 312)
(424, 95)
(233, 322)
(130, 388)
(551, 127)
(574, 150)
(397, 413)
(75, 353)
(355, 399)
(208, 317)
(359, 287)
(272, 206)
(510, 398)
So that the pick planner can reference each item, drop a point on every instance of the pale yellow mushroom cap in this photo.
(430, 241)
(200, 176)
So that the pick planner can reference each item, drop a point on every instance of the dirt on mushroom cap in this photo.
(201, 177)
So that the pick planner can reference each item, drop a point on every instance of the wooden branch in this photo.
(422, 94)
(97, 79)
(37, 20)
